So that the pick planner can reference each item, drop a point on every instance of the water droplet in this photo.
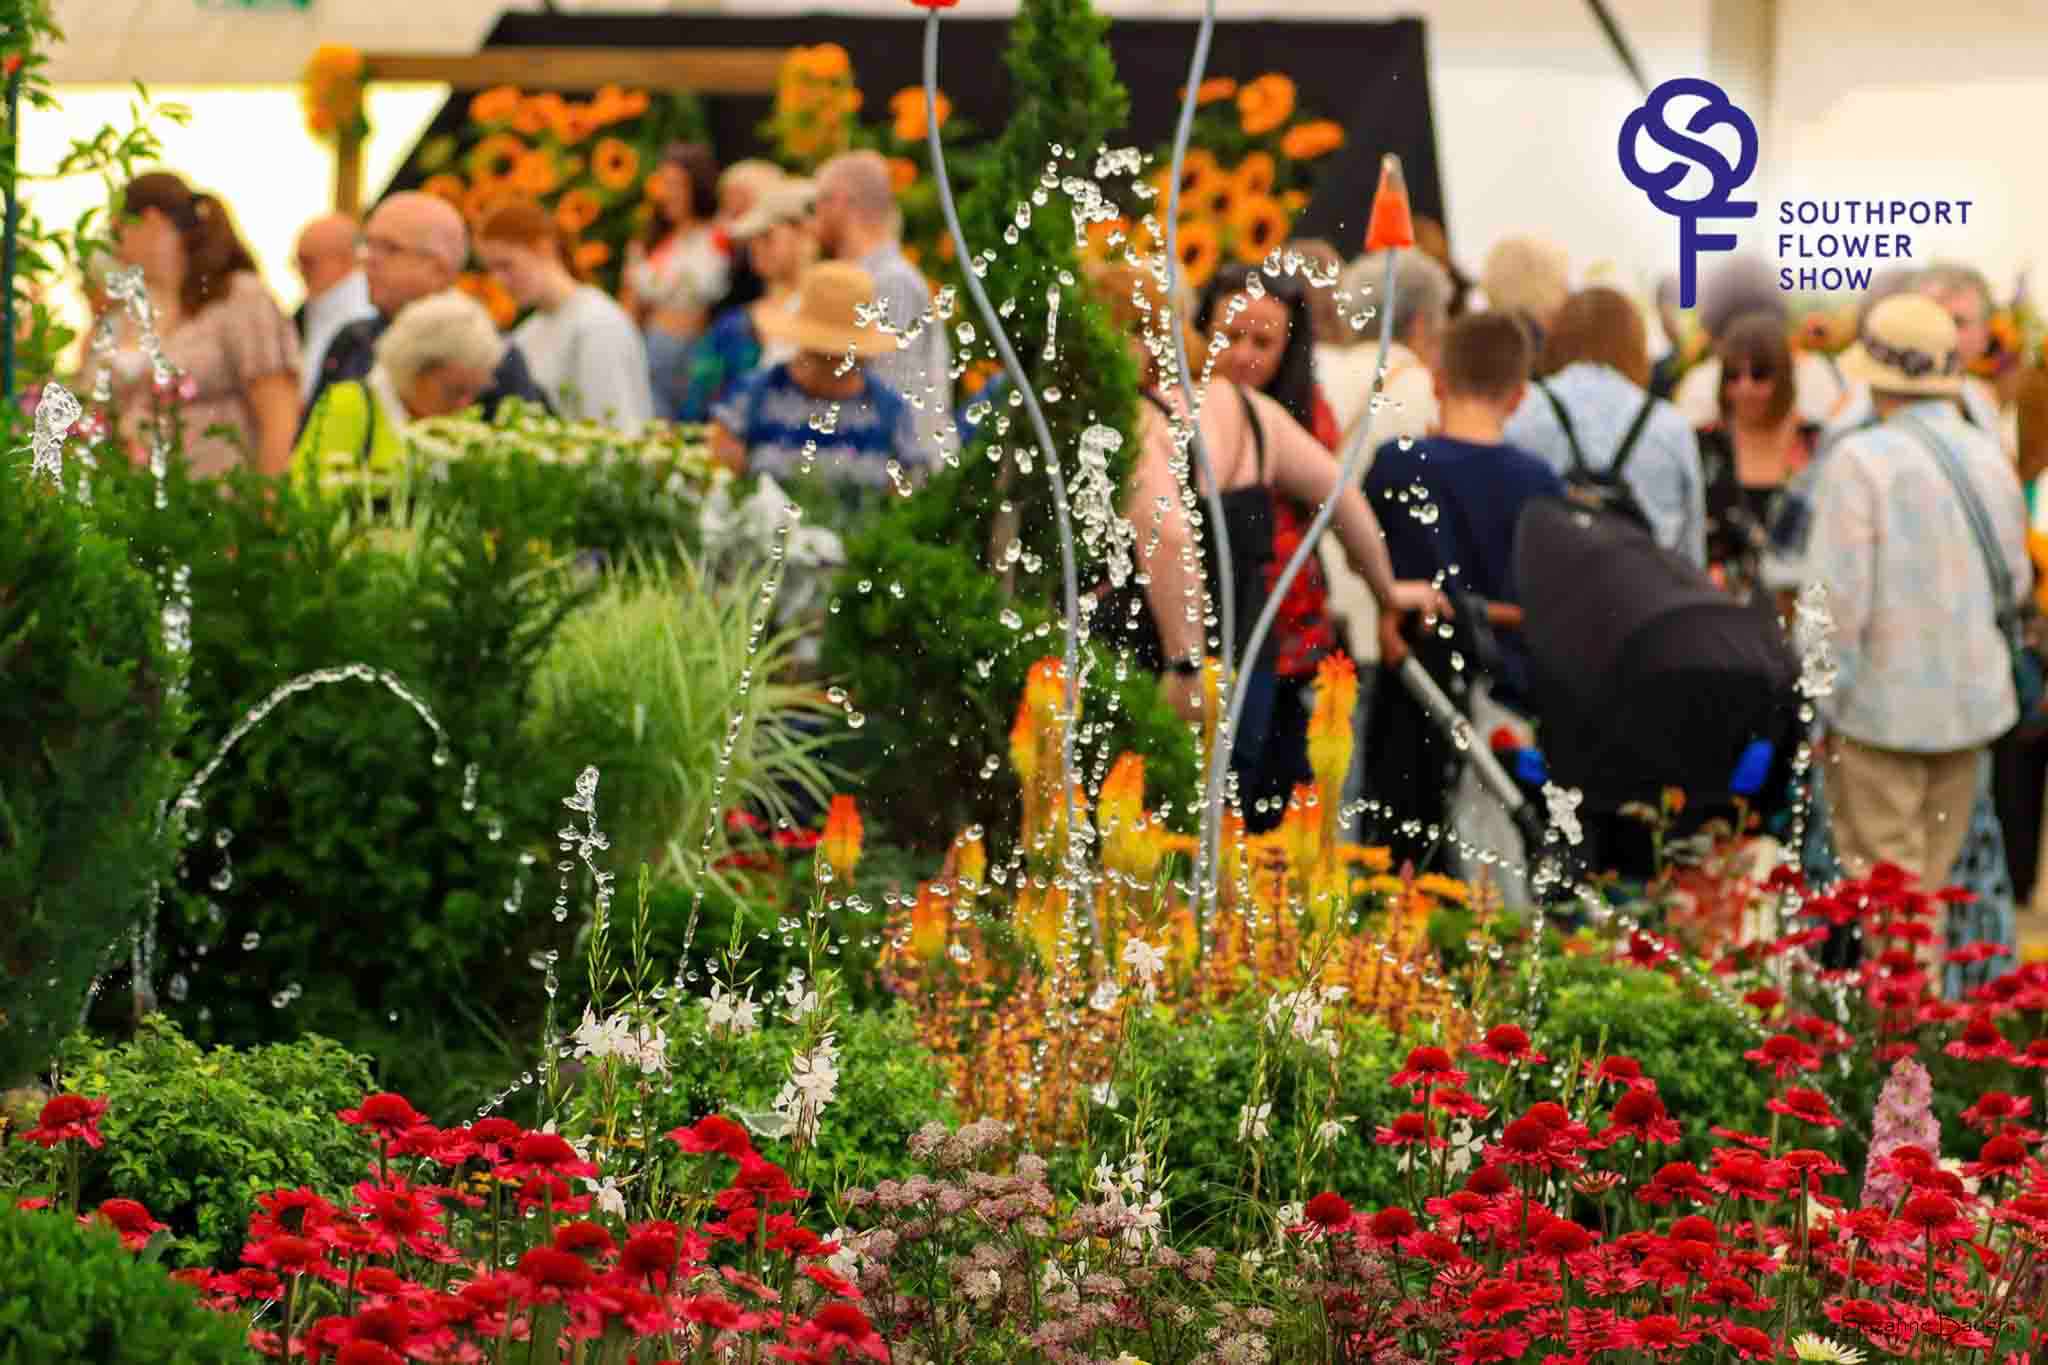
(179, 986)
(442, 758)
(223, 837)
(250, 940)
(836, 695)
(854, 720)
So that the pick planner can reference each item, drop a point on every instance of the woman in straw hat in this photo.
(820, 411)
(775, 238)
(1925, 678)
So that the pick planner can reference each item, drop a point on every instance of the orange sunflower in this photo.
(479, 199)
(1199, 174)
(1200, 251)
(588, 256)
(487, 291)
(902, 173)
(1254, 175)
(1212, 90)
(446, 186)
(1260, 224)
(500, 104)
(537, 113)
(534, 175)
(906, 106)
(577, 210)
(1265, 104)
(492, 161)
(1307, 141)
(614, 164)
(574, 123)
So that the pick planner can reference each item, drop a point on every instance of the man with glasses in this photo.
(328, 257)
(414, 245)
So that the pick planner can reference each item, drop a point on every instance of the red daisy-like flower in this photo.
(384, 1114)
(2002, 1155)
(793, 1240)
(1784, 1055)
(715, 1311)
(128, 1218)
(1488, 1347)
(1659, 1333)
(296, 1211)
(831, 1281)
(1457, 1101)
(68, 1118)
(1673, 1181)
(1748, 1343)
(2035, 1054)
(1492, 1300)
(1625, 1071)
(1805, 1104)
(1561, 1239)
(1639, 1114)
(549, 1276)
(1390, 1225)
(651, 1253)
(1328, 1211)
(714, 1133)
(494, 1138)
(1506, 1045)
(1764, 999)
(1427, 1066)
(584, 1239)
(1745, 1175)
(546, 1154)
(361, 1352)
(287, 1254)
(1935, 1217)
(842, 1327)
(1645, 950)
(1530, 1142)
(1981, 1041)
(766, 1181)
(1406, 1130)
(1994, 1109)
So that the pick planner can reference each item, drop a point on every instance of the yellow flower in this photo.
(1200, 251)
(906, 106)
(1444, 888)
(1265, 104)
(1307, 141)
(500, 104)
(1261, 225)
(614, 164)
(1039, 917)
(1371, 859)
(1329, 727)
(969, 859)
(1128, 843)
(1301, 832)
(1254, 175)
(840, 848)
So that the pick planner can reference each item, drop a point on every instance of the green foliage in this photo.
(196, 1134)
(1690, 1045)
(87, 718)
(655, 676)
(934, 669)
(889, 1087)
(1195, 1081)
(74, 1294)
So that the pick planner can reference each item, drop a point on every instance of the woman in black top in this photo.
(1753, 451)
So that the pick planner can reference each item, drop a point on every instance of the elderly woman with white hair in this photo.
(435, 358)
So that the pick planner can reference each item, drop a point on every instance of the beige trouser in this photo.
(1909, 809)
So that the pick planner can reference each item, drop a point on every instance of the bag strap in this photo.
(1251, 418)
(1629, 438)
(2003, 599)
(1571, 436)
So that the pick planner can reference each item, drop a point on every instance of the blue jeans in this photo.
(668, 371)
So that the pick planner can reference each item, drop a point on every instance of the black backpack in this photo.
(1605, 490)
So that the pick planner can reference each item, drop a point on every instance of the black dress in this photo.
(1739, 515)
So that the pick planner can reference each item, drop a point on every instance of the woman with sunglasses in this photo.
(1753, 449)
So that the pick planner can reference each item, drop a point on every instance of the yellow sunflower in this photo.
(576, 210)
(497, 105)
(1265, 104)
(1260, 224)
(1200, 251)
(1307, 141)
(614, 164)
(1254, 175)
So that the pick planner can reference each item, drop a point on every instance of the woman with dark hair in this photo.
(232, 346)
(1753, 450)
(1270, 327)
(679, 270)
(585, 353)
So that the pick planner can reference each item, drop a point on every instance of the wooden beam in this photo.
(705, 70)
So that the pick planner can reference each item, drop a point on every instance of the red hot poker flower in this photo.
(68, 1118)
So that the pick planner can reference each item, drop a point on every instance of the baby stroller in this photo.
(1647, 676)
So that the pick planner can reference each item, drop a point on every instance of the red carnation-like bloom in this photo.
(1427, 1066)
(766, 1181)
(2035, 1055)
(584, 1239)
(2002, 1155)
(287, 1254)
(294, 1211)
(1748, 1343)
(1485, 1348)
(1994, 1109)
(367, 1353)
(1764, 999)
(1674, 1180)
(651, 1253)
(128, 1218)
(549, 1275)
(1806, 1105)
(547, 1154)
(1406, 1130)
(713, 1133)
(1659, 1332)
(831, 1281)
(1981, 1041)
(1745, 1175)
(1561, 1238)
(1935, 1217)
(1492, 1300)
(494, 1138)
(841, 1326)
(1328, 1211)
(1391, 1224)
(1626, 1071)
(385, 1114)
(1641, 1115)
(68, 1118)
(1785, 1055)
(1506, 1045)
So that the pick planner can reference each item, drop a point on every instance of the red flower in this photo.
(651, 1253)
(1391, 1224)
(1674, 1180)
(831, 1281)
(1328, 1211)
(1507, 1045)
(385, 1114)
(841, 1326)
(295, 1211)
(1660, 1332)
(1645, 950)
(1745, 1175)
(584, 1238)
(1748, 1343)
(1935, 1217)
(2036, 1054)
(367, 1353)
(1806, 1105)
(128, 1218)
(935, 4)
(1783, 1055)
(547, 1154)
(765, 1180)
(1485, 1348)
(2002, 1155)
(713, 1133)
(287, 1254)
(494, 1138)
(1639, 1114)
(1531, 1142)
(1406, 1130)
(1561, 1238)
(1625, 1071)
(67, 1118)
(1764, 999)
(1427, 1066)
(548, 1275)
(1981, 1041)
(1994, 1109)
(1492, 1300)
(714, 1310)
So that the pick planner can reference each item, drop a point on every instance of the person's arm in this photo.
(1665, 476)
(1299, 466)
(1843, 555)
(730, 428)
(274, 403)
(1166, 551)
(728, 449)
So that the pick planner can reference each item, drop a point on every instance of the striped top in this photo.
(773, 417)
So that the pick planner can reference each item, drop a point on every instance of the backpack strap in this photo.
(1629, 438)
(1571, 435)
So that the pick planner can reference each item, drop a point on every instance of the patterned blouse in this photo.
(237, 339)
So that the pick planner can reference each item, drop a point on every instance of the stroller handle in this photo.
(1394, 649)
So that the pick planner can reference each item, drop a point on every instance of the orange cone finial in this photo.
(1392, 223)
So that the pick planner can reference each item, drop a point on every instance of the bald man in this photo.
(856, 219)
(414, 245)
(337, 292)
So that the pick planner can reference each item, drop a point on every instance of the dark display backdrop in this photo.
(1371, 77)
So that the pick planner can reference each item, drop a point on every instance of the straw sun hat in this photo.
(1908, 346)
(783, 201)
(831, 300)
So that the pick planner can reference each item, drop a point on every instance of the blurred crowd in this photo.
(784, 313)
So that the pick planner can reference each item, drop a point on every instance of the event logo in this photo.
(1688, 152)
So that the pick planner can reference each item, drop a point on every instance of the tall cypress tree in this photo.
(939, 668)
